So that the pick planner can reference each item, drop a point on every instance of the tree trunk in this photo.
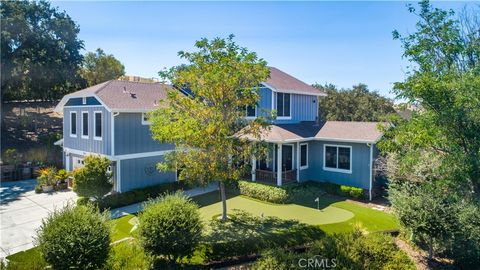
(224, 201)
(430, 248)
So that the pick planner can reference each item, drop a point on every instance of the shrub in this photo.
(83, 200)
(138, 195)
(47, 176)
(62, 174)
(170, 226)
(263, 192)
(273, 260)
(93, 180)
(352, 192)
(128, 255)
(75, 237)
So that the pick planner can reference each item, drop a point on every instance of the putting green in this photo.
(303, 214)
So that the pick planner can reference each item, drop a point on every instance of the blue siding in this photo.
(142, 172)
(79, 102)
(303, 107)
(360, 176)
(131, 136)
(89, 144)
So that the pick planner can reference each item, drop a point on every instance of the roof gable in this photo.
(282, 82)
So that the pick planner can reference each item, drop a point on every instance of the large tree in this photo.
(40, 55)
(223, 78)
(355, 104)
(99, 67)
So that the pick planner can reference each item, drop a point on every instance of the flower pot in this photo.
(47, 188)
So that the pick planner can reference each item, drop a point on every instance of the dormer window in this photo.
(251, 111)
(84, 100)
(283, 106)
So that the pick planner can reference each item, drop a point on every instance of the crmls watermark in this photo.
(317, 262)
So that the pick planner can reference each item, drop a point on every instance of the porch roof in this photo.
(361, 132)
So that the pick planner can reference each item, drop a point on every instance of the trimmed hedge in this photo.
(342, 190)
(263, 192)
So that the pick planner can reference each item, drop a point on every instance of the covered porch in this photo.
(281, 166)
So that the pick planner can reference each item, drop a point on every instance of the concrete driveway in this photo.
(22, 211)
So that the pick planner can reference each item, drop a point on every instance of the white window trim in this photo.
(284, 117)
(300, 157)
(251, 117)
(88, 128)
(325, 168)
(84, 100)
(95, 125)
(146, 123)
(76, 126)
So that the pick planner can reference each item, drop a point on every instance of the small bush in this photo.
(170, 226)
(47, 176)
(83, 200)
(263, 192)
(138, 195)
(128, 255)
(273, 260)
(75, 237)
(353, 192)
(93, 180)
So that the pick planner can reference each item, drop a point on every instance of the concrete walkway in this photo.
(22, 211)
(137, 207)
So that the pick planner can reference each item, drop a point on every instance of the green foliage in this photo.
(99, 67)
(47, 176)
(30, 259)
(40, 54)
(353, 192)
(93, 180)
(274, 259)
(356, 104)
(128, 255)
(222, 77)
(263, 192)
(75, 237)
(83, 200)
(11, 156)
(116, 200)
(170, 226)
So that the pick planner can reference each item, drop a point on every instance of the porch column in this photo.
(298, 161)
(279, 165)
(254, 168)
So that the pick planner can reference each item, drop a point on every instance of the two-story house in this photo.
(109, 119)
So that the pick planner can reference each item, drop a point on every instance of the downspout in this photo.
(112, 151)
(371, 171)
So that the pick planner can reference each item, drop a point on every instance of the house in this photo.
(109, 119)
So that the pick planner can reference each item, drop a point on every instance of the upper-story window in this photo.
(73, 124)
(85, 125)
(84, 100)
(337, 158)
(97, 135)
(283, 106)
(146, 119)
(251, 111)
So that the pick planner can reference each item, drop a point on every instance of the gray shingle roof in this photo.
(367, 132)
(283, 82)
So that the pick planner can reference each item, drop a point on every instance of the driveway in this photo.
(22, 211)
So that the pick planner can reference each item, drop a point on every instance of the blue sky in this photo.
(342, 43)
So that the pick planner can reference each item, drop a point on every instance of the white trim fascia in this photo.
(132, 110)
(292, 91)
(112, 132)
(371, 172)
(118, 177)
(342, 140)
(325, 168)
(83, 106)
(84, 153)
(76, 126)
(95, 126)
(273, 100)
(142, 155)
(88, 127)
(145, 123)
(300, 162)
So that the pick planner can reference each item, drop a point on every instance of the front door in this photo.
(287, 157)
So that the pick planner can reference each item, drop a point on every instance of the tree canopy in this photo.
(355, 104)
(40, 55)
(223, 78)
(99, 67)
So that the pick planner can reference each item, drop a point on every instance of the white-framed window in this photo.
(337, 158)
(146, 119)
(97, 125)
(284, 106)
(84, 100)
(85, 125)
(251, 112)
(73, 124)
(303, 156)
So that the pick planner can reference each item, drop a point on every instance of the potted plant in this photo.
(62, 178)
(47, 178)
